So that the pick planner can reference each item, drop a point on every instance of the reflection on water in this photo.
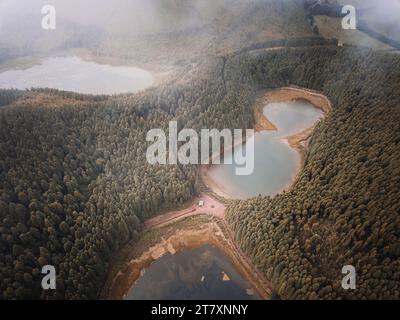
(275, 162)
(204, 273)
(74, 74)
(292, 117)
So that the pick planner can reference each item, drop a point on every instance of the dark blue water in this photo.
(204, 274)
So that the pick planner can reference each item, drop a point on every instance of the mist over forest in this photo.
(102, 24)
(92, 20)
(77, 192)
(382, 15)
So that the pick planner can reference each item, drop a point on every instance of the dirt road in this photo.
(211, 207)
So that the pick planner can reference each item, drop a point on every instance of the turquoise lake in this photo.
(276, 164)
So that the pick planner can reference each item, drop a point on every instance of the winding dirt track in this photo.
(211, 207)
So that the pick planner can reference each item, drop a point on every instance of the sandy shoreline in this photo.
(180, 237)
(211, 185)
(298, 142)
(160, 73)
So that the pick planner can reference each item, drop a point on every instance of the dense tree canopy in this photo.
(75, 184)
(344, 208)
(74, 181)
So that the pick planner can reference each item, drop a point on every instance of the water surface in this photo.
(75, 74)
(204, 273)
(275, 162)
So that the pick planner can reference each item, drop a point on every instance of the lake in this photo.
(204, 273)
(276, 164)
(74, 74)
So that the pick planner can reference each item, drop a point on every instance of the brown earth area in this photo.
(47, 101)
(210, 207)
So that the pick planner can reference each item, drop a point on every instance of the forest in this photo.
(75, 185)
(344, 208)
(74, 181)
(160, 32)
